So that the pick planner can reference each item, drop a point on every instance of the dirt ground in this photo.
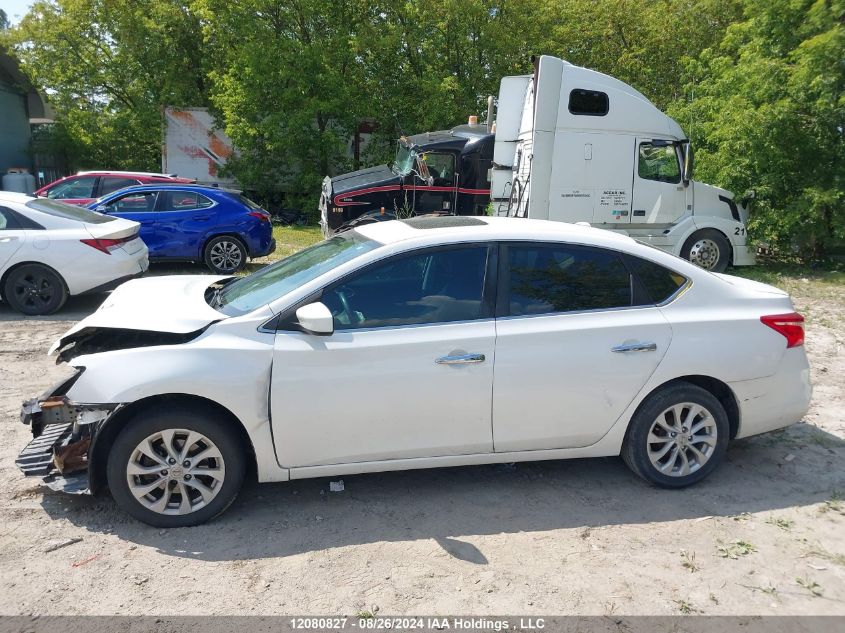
(764, 535)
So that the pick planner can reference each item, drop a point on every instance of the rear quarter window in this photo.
(68, 211)
(660, 284)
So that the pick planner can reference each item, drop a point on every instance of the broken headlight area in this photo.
(93, 340)
(62, 435)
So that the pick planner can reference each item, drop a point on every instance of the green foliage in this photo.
(768, 114)
(108, 66)
(757, 84)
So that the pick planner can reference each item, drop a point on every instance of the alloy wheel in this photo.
(226, 255)
(175, 471)
(682, 439)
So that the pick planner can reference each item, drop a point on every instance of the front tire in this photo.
(677, 437)
(708, 249)
(176, 467)
(33, 289)
(225, 254)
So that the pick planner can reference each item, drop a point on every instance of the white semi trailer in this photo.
(576, 145)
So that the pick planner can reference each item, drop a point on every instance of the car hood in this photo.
(363, 178)
(168, 305)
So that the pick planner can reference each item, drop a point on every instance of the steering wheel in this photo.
(350, 314)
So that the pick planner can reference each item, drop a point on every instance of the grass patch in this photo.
(688, 561)
(290, 239)
(736, 549)
(784, 524)
(810, 585)
(820, 552)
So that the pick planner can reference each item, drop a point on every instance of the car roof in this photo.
(436, 230)
(458, 228)
(176, 187)
(107, 172)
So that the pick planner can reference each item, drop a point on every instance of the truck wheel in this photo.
(176, 467)
(33, 289)
(708, 249)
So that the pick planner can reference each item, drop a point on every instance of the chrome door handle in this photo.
(460, 359)
(635, 347)
(8, 239)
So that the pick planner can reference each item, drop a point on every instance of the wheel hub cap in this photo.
(175, 471)
(705, 254)
(682, 439)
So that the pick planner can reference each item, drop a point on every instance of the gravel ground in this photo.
(763, 535)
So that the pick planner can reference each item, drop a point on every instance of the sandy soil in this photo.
(764, 535)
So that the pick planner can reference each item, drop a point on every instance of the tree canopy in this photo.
(758, 84)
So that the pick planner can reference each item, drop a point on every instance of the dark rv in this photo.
(446, 172)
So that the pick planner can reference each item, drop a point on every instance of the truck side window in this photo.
(441, 167)
(588, 102)
(659, 163)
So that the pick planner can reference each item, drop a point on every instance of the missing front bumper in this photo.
(62, 435)
(46, 456)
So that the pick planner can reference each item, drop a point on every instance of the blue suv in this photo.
(220, 227)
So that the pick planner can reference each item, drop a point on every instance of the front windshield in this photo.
(405, 157)
(278, 279)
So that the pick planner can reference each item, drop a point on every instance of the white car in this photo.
(415, 344)
(50, 250)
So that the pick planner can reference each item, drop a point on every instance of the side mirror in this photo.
(101, 208)
(687, 175)
(315, 318)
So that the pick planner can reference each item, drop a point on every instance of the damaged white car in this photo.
(415, 344)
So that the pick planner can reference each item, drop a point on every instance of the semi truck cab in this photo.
(445, 172)
(575, 145)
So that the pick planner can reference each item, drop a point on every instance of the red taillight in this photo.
(107, 245)
(790, 325)
(261, 215)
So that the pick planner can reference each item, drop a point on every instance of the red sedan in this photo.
(86, 186)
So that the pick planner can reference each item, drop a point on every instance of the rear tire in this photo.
(708, 249)
(176, 466)
(678, 436)
(225, 254)
(33, 289)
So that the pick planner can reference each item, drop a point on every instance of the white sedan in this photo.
(416, 344)
(50, 250)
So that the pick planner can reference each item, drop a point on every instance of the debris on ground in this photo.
(336, 486)
(52, 546)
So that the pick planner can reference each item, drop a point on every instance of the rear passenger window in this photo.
(561, 278)
(658, 282)
(8, 220)
(185, 201)
(108, 184)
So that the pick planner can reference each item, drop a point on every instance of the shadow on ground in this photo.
(276, 520)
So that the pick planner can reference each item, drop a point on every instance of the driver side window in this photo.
(432, 287)
(659, 162)
(441, 167)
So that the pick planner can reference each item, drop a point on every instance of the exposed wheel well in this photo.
(224, 234)
(108, 433)
(719, 389)
(18, 265)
